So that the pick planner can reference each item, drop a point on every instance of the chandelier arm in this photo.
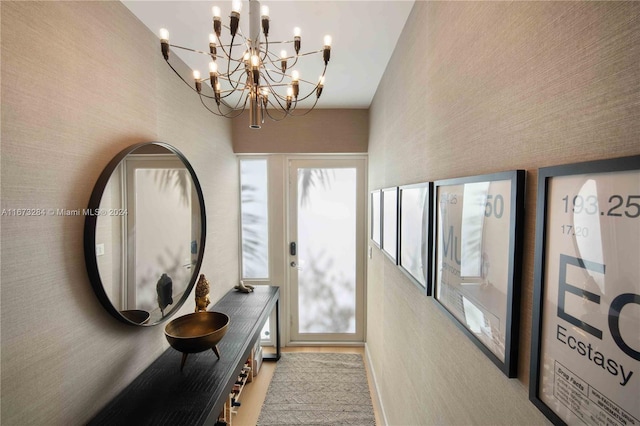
(229, 74)
(237, 103)
(227, 55)
(294, 63)
(239, 110)
(227, 114)
(266, 71)
(234, 88)
(280, 73)
(313, 52)
(306, 112)
(270, 55)
(186, 82)
(219, 114)
(190, 49)
(266, 50)
(280, 42)
(266, 110)
(277, 97)
(306, 97)
(267, 56)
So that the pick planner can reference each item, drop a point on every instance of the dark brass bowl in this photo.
(197, 332)
(137, 316)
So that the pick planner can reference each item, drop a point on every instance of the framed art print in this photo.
(585, 351)
(390, 223)
(376, 213)
(477, 258)
(415, 233)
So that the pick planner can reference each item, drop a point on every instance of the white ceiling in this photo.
(364, 36)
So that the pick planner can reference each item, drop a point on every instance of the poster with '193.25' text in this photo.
(586, 349)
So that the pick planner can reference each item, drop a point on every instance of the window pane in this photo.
(255, 232)
(327, 250)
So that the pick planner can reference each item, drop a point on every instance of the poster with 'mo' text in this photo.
(586, 339)
(476, 268)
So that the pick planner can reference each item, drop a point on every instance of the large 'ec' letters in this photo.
(614, 310)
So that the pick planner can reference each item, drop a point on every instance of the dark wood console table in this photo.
(162, 395)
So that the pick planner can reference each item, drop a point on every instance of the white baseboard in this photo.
(375, 385)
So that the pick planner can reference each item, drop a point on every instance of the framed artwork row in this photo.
(460, 240)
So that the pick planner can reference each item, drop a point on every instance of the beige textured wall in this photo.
(320, 131)
(474, 88)
(81, 81)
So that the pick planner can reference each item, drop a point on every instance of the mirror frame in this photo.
(91, 221)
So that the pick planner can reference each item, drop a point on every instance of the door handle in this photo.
(293, 264)
(293, 248)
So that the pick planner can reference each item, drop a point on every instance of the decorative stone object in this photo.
(244, 288)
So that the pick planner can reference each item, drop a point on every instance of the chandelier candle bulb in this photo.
(297, 41)
(320, 86)
(213, 74)
(283, 60)
(255, 69)
(164, 43)
(213, 48)
(264, 12)
(196, 77)
(295, 77)
(289, 96)
(216, 92)
(217, 21)
(326, 52)
(235, 17)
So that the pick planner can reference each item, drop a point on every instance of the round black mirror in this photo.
(144, 233)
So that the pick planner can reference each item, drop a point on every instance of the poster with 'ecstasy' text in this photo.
(586, 351)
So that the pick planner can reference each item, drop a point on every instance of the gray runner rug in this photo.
(318, 389)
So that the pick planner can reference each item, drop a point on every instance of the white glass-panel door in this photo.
(326, 253)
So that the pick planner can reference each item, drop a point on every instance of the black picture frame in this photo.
(479, 289)
(390, 223)
(415, 233)
(375, 233)
(587, 248)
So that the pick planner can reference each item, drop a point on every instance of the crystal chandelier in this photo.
(245, 71)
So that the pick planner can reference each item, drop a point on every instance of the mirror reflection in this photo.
(148, 234)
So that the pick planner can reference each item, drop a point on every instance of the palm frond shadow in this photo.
(326, 296)
(308, 178)
(253, 247)
(175, 178)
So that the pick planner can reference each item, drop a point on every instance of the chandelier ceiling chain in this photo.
(256, 76)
